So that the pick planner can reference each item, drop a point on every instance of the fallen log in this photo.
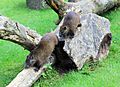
(17, 33)
(82, 6)
(26, 77)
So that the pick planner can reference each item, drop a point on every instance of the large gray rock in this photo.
(91, 41)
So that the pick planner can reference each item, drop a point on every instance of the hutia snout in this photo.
(26, 66)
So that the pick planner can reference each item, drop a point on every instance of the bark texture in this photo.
(82, 6)
(26, 78)
(17, 33)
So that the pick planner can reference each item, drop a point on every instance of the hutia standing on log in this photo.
(70, 24)
(40, 55)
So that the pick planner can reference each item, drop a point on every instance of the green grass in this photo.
(42, 21)
(12, 56)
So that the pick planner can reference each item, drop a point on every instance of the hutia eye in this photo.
(64, 28)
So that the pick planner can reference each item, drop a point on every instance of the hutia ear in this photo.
(65, 27)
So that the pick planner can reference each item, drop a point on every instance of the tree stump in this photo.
(36, 4)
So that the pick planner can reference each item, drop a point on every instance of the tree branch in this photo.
(26, 78)
(82, 6)
(17, 33)
(57, 6)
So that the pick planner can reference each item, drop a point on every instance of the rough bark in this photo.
(82, 6)
(36, 4)
(17, 33)
(26, 78)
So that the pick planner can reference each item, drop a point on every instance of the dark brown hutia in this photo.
(70, 24)
(39, 56)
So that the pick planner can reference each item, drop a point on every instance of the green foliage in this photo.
(12, 56)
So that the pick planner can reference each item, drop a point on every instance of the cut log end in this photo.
(104, 47)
